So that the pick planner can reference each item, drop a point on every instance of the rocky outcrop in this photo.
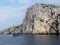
(12, 30)
(39, 18)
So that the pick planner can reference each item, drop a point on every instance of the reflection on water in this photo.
(30, 40)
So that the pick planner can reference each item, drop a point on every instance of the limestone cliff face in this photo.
(39, 18)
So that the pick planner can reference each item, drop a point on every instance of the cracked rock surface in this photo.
(41, 18)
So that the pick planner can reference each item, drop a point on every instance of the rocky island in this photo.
(39, 19)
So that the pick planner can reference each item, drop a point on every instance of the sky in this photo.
(12, 12)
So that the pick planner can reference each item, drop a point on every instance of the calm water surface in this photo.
(30, 40)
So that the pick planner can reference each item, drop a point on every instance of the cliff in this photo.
(39, 18)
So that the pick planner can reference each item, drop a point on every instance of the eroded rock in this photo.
(43, 18)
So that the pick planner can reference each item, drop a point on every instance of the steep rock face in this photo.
(41, 18)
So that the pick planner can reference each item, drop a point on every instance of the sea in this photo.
(30, 40)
